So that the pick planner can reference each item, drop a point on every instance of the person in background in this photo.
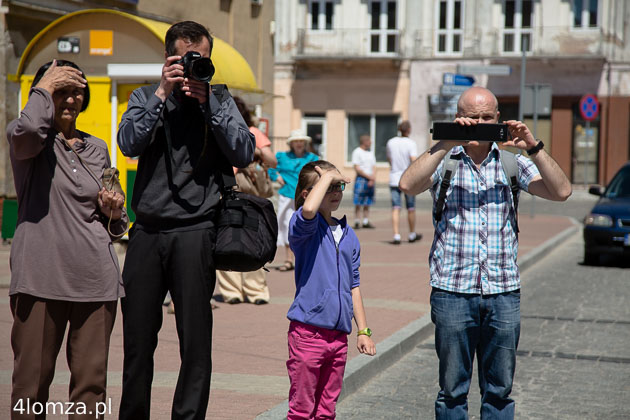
(476, 296)
(286, 174)
(64, 270)
(250, 286)
(327, 297)
(364, 163)
(401, 151)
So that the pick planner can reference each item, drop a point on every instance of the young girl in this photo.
(327, 259)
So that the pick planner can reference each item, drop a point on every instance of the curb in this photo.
(361, 369)
(537, 253)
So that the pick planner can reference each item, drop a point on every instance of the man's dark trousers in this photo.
(181, 262)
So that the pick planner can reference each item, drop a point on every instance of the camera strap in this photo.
(449, 169)
(225, 174)
(101, 184)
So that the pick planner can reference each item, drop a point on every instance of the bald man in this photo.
(475, 298)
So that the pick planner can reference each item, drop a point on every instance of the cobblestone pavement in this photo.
(574, 353)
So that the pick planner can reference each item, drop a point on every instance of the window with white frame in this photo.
(585, 14)
(380, 128)
(384, 34)
(321, 14)
(517, 27)
(450, 22)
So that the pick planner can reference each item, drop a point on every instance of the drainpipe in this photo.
(5, 177)
(607, 122)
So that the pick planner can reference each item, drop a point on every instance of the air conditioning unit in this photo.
(257, 2)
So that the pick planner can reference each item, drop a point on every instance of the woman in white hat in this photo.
(286, 173)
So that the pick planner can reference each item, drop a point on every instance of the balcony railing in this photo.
(554, 41)
(341, 43)
(547, 41)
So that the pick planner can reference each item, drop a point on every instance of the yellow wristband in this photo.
(365, 331)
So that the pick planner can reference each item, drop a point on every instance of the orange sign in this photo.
(101, 42)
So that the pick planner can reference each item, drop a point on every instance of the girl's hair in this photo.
(308, 177)
(62, 63)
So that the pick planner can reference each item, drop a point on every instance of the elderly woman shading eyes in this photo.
(64, 271)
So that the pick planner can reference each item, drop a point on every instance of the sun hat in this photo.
(297, 135)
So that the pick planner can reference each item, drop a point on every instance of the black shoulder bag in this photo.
(247, 227)
(247, 230)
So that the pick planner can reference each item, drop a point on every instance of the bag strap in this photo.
(100, 184)
(227, 180)
(449, 168)
(510, 168)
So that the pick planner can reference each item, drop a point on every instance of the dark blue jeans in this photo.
(466, 324)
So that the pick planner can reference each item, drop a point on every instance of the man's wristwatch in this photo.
(536, 148)
(365, 331)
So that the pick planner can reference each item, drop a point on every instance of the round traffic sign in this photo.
(589, 107)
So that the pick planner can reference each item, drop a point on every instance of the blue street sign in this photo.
(457, 79)
(453, 89)
(490, 70)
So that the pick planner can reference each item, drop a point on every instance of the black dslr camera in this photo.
(197, 67)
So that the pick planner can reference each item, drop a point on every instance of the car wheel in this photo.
(591, 258)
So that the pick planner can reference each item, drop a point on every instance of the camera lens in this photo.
(202, 69)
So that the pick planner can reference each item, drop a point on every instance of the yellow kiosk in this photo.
(118, 52)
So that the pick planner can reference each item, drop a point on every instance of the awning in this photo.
(136, 40)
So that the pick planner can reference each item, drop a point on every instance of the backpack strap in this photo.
(449, 168)
(510, 168)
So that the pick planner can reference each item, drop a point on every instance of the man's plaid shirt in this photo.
(475, 245)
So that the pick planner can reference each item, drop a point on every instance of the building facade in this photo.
(341, 72)
(344, 68)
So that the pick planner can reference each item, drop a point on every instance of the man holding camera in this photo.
(475, 301)
(181, 132)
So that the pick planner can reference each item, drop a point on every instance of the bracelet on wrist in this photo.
(538, 147)
(365, 331)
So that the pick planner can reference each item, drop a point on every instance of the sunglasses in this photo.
(334, 187)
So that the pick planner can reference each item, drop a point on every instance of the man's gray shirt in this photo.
(176, 184)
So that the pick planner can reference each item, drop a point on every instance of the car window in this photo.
(620, 185)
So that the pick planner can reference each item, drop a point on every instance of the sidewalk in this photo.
(249, 345)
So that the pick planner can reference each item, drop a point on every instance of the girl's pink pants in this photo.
(317, 360)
